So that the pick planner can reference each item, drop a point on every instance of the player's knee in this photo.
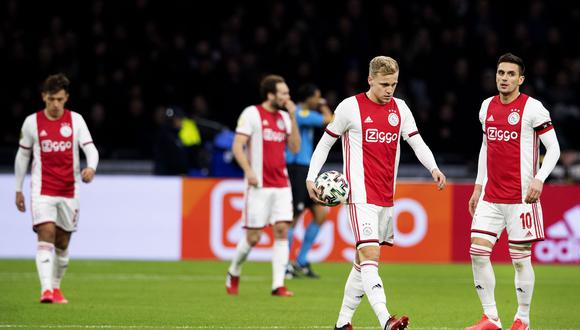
(253, 238)
(369, 252)
(521, 255)
(280, 230)
(253, 241)
(480, 254)
(62, 239)
(46, 232)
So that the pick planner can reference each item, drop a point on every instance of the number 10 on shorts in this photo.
(526, 220)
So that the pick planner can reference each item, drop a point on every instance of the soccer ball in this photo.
(332, 187)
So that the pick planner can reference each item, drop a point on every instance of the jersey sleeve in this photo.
(27, 133)
(309, 118)
(408, 125)
(287, 122)
(84, 134)
(340, 123)
(481, 117)
(245, 126)
(541, 121)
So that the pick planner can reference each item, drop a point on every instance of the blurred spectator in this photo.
(169, 153)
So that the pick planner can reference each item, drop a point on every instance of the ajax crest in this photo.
(65, 130)
(513, 118)
(393, 119)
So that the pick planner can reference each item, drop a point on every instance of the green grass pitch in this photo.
(191, 295)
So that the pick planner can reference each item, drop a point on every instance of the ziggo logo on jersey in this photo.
(55, 146)
(271, 135)
(374, 135)
(494, 134)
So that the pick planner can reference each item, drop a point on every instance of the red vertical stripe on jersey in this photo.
(504, 135)
(55, 138)
(380, 129)
(346, 141)
(273, 149)
(354, 222)
(246, 223)
(536, 150)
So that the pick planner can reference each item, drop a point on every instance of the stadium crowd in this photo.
(130, 60)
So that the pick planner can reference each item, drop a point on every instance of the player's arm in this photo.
(294, 137)
(481, 172)
(21, 162)
(20, 168)
(240, 141)
(90, 151)
(317, 161)
(550, 141)
(425, 156)
(339, 125)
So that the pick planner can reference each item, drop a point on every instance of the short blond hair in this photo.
(384, 65)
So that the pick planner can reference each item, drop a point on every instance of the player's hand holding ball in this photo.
(313, 192)
(87, 174)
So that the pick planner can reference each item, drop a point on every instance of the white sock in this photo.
(373, 287)
(44, 264)
(279, 261)
(484, 278)
(242, 251)
(353, 294)
(59, 268)
(524, 281)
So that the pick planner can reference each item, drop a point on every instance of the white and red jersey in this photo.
(371, 135)
(268, 132)
(512, 133)
(55, 152)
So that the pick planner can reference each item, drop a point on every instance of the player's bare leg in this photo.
(280, 258)
(44, 259)
(243, 248)
(60, 264)
(521, 255)
(484, 281)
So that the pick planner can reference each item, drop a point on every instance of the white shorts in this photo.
(371, 224)
(266, 206)
(523, 222)
(64, 212)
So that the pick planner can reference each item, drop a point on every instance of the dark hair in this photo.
(511, 58)
(268, 85)
(305, 91)
(55, 83)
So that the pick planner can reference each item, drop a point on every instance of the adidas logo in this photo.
(368, 119)
(43, 133)
(478, 287)
(360, 297)
(520, 290)
(562, 242)
(490, 118)
(265, 122)
(529, 234)
(377, 286)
